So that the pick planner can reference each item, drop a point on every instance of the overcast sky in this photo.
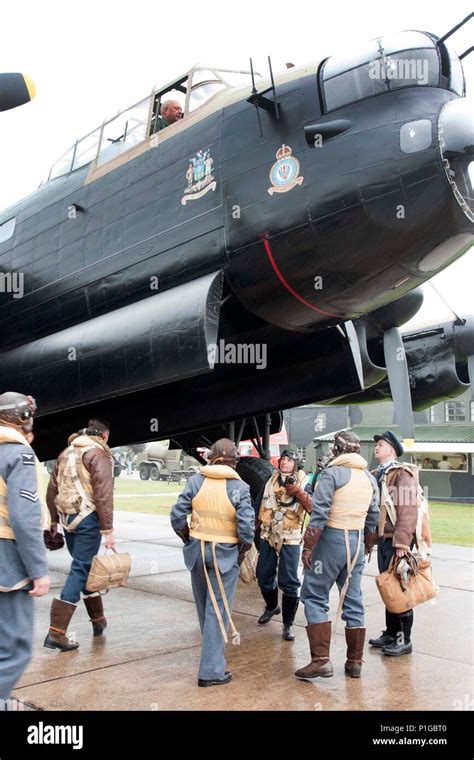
(93, 58)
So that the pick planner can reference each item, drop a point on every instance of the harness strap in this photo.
(87, 507)
(350, 563)
(235, 633)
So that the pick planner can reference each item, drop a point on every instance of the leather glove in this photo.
(243, 549)
(370, 540)
(183, 533)
(310, 540)
(53, 539)
(302, 497)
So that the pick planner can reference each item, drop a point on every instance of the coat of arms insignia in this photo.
(199, 176)
(284, 174)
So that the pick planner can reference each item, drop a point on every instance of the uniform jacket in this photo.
(238, 493)
(282, 515)
(23, 558)
(402, 489)
(161, 123)
(98, 463)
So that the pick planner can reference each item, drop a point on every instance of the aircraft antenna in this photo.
(277, 106)
(253, 98)
(259, 99)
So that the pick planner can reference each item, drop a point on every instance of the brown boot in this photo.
(61, 614)
(319, 637)
(355, 638)
(95, 610)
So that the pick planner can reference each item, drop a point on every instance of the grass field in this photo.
(450, 523)
(146, 496)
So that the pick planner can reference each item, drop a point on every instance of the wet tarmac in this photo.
(148, 658)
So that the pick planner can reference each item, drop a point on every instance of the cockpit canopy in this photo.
(406, 59)
(137, 123)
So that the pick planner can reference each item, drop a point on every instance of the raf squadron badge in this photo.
(284, 174)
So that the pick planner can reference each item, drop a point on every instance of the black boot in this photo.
(216, 681)
(402, 643)
(272, 608)
(289, 606)
(388, 636)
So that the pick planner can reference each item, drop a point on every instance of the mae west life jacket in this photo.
(214, 520)
(10, 435)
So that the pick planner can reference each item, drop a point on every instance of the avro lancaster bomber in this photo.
(299, 213)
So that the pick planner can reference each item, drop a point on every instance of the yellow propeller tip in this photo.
(30, 86)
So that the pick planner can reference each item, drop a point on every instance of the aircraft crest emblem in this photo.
(284, 174)
(199, 176)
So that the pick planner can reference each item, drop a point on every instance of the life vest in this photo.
(214, 519)
(423, 536)
(213, 516)
(75, 494)
(10, 435)
(351, 502)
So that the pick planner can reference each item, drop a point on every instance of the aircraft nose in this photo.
(456, 140)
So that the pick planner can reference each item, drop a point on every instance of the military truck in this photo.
(158, 462)
(117, 467)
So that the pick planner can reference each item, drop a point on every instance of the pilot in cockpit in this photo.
(170, 112)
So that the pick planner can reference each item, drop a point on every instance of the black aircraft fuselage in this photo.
(133, 264)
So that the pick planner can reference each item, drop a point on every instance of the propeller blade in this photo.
(470, 369)
(15, 90)
(464, 336)
(396, 363)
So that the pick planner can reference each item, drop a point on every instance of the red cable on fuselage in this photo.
(287, 285)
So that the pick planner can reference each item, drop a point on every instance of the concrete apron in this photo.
(148, 659)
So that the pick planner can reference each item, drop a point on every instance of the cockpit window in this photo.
(82, 152)
(124, 131)
(7, 229)
(404, 60)
(456, 74)
(205, 83)
(136, 124)
(86, 149)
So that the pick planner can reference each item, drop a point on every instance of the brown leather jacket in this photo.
(97, 462)
(402, 489)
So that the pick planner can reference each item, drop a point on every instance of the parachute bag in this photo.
(108, 571)
(400, 595)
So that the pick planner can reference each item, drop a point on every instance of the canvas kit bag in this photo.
(402, 593)
(108, 571)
